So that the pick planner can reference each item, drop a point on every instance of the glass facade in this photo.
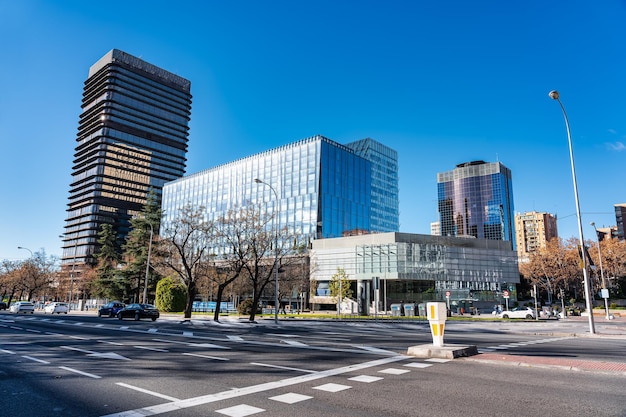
(324, 189)
(476, 199)
(385, 212)
(132, 137)
(411, 264)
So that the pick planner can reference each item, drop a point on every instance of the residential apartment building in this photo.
(533, 230)
(476, 200)
(132, 137)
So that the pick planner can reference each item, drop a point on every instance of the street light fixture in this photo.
(258, 181)
(554, 95)
(31, 252)
(605, 294)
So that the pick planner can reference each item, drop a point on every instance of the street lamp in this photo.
(554, 95)
(145, 284)
(31, 252)
(258, 181)
(605, 294)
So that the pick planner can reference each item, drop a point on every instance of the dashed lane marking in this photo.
(290, 398)
(76, 371)
(145, 391)
(365, 378)
(332, 387)
(36, 360)
(241, 410)
(217, 358)
(151, 349)
(420, 365)
(394, 371)
(282, 367)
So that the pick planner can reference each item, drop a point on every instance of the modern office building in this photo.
(476, 200)
(384, 208)
(533, 230)
(132, 137)
(320, 188)
(413, 268)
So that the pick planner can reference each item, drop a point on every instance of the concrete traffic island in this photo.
(437, 314)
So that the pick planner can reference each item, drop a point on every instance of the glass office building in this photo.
(412, 268)
(323, 189)
(384, 201)
(132, 137)
(476, 200)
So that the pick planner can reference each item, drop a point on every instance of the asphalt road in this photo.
(80, 365)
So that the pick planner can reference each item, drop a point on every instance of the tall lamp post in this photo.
(258, 181)
(145, 284)
(605, 294)
(31, 252)
(554, 95)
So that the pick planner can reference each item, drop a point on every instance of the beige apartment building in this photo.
(532, 230)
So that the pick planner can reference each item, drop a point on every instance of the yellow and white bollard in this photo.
(437, 315)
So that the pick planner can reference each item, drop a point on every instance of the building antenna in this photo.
(497, 160)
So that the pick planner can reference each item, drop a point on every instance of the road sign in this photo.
(505, 294)
(447, 294)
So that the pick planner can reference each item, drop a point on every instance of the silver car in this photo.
(22, 307)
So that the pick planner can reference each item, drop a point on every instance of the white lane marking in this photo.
(10, 352)
(105, 355)
(394, 371)
(235, 338)
(78, 337)
(16, 328)
(188, 334)
(290, 398)
(111, 343)
(282, 367)
(293, 343)
(485, 350)
(217, 358)
(331, 387)
(420, 365)
(283, 335)
(150, 348)
(375, 349)
(54, 334)
(438, 360)
(365, 378)
(201, 345)
(76, 371)
(241, 410)
(33, 331)
(153, 330)
(36, 360)
(145, 391)
(176, 406)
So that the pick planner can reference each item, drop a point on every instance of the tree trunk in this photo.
(220, 292)
(191, 296)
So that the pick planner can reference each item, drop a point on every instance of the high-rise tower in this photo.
(476, 199)
(132, 137)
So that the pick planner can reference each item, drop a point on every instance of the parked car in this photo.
(110, 309)
(139, 311)
(3, 305)
(56, 308)
(22, 307)
(518, 313)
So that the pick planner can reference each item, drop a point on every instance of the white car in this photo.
(56, 308)
(22, 307)
(518, 313)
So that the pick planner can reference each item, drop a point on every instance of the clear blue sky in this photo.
(442, 82)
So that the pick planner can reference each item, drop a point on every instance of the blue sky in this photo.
(442, 82)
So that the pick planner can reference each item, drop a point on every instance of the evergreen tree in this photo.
(110, 282)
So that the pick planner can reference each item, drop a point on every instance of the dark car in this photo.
(110, 309)
(3, 305)
(139, 311)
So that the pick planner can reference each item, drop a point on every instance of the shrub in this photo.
(171, 295)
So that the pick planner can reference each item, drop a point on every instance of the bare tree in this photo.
(184, 245)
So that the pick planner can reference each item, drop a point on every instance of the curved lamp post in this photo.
(258, 181)
(606, 299)
(31, 252)
(145, 284)
(554, 95)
